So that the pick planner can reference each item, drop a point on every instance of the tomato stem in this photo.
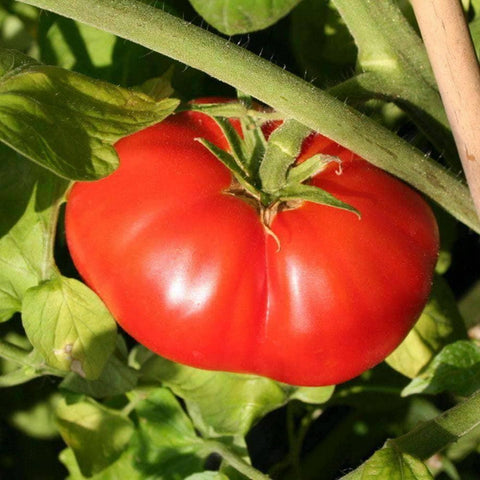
(23, 358)
(235, 461)
(285, 92)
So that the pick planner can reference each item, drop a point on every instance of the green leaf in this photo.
(321, 42)
(74, 45)
(469, 306)
(38, 420)
(96, 434)
(67, 122)
(392, 464)
(30, 197)
(455, 369)
(475, 33)
(315, 395)
(70, 326)
(164, 446)
(225, 403)
(159, 87)
(242, 16)
(116, 378)
(439, 325)
(314, 194)
(167, 446)
(123, 468)
(283, 147)
(207, 476)
(15, 25)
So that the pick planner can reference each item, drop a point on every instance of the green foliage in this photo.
(391, 464)
(164, 444)
(69, 325)
(65, 121)
(242, 16)
(321, 43)
(116, 377)
(439, 325)
(75, 46)
(207, 476)
(29, 202)
(225, 403)
(96, 434)
(455, 369)
(125, 413)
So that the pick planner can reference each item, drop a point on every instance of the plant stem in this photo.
(296, 98)
(294, 442)
(235, 461)
(357, 389)
(450, 49)
(22, 357)
(434, 435)
(15, 354)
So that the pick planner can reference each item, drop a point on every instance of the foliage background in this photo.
(290, 433)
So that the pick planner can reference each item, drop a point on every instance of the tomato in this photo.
(191, 272)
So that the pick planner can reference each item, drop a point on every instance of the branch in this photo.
(434, 435)
(285, 92)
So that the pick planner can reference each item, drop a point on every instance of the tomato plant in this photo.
(295, 270)
(183, 260)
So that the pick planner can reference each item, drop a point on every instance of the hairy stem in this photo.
(436, 434)
(235, 461)
(164, 33)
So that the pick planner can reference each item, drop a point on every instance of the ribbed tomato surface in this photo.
(191, 272)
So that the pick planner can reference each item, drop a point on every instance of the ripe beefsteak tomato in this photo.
(190, 271)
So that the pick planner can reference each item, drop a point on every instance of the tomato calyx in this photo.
(264, 166)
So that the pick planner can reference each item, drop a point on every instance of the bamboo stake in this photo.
(450, 49)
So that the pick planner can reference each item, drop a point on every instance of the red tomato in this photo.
(191, 273)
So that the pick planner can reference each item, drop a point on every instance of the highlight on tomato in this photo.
(257, 248)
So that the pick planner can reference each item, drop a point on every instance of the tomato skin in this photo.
(191, 273)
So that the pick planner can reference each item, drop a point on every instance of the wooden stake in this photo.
(450, 49)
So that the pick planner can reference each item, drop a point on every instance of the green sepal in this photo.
(226, 158)
(235, 143)
(229, 161)
(232, 110)
(314, 194)
(265, 169)
(309, 168)
(215, 110)
(247, 151)
(283, 147)
(255, 145)
(245, 99)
